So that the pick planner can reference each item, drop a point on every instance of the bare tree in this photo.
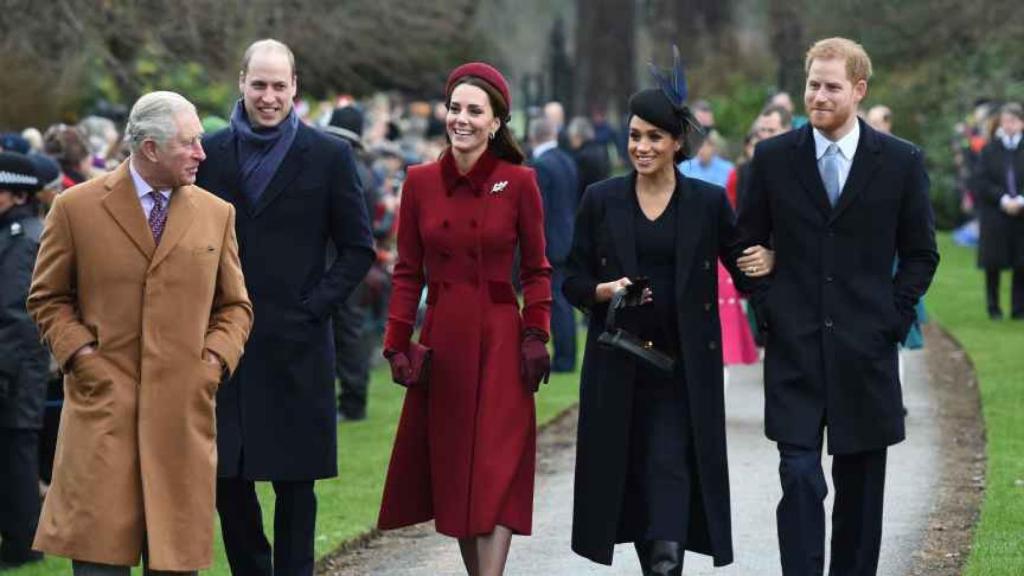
(604, 55)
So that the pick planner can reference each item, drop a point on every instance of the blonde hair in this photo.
(858, 63)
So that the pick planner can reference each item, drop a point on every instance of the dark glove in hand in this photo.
(536, 363)
(401, 368)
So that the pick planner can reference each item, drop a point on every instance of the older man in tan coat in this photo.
(139, 294)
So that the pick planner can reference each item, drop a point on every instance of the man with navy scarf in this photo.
(296, 191)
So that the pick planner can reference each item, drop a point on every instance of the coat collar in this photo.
(477, 176)
(803, 158)
(122, 202)
(689, 225)
(291, 166)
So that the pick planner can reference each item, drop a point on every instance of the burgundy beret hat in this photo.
(484, 71)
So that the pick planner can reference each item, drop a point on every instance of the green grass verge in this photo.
(957, 302)
(348, 505)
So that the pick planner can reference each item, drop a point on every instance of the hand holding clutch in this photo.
(401, 369)
(411, 369)
(535, 363)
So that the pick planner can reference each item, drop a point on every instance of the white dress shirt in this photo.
(847, 148)
(542, 148)
(142, 188)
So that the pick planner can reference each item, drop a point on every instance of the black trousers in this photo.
(1016, 292)
(859, 481)
(19, 493)
(352, 349)
(241, 520)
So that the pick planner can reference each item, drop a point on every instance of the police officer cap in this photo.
(17, 173)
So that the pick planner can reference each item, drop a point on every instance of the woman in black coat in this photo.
(651, 456)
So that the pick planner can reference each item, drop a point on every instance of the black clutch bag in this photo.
(619, 339)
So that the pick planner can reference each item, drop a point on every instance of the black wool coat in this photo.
(832, 310)
(603, 250)
(276, 418)
(1002, 236)
(24, 362)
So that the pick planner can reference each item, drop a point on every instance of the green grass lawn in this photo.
(957, 302)
(348, 504)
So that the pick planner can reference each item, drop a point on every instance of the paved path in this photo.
(913, 468)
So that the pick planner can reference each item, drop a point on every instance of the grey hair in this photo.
(542, 130)
(580, 127)
(153, 118)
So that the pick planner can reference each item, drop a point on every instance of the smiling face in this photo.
(268, 88)
(177, 160)
(831, 98)
(470, 120)
(651, 149)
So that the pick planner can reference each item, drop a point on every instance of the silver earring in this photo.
(492, 135)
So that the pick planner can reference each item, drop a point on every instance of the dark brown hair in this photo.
(504, 144)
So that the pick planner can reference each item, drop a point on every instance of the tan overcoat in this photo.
(136, 453)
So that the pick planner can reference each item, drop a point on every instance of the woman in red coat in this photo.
(465, 449)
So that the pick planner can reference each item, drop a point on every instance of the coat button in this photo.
(446, 254)
(449, 193)
(445, 224)
(828, 278)
(828, 323)
(707, 264)
(707, 306)
(712, 345)
(604, 261)
(472, 223)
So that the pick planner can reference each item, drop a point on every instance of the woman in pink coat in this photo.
(465, 449)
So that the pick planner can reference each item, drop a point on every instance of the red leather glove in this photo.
(401, 368)
(535, 364)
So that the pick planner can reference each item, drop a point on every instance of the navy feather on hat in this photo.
(665, 106)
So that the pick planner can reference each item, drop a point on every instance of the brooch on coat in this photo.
(498, 187)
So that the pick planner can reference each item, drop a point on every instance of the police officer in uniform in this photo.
(24, 363)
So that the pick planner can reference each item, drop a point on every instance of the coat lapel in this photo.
(865, 162)
(620, 222)
(690, 222)
(805, 162)
(181, 212)
(122, 202)
(231, 186)
(286, 173)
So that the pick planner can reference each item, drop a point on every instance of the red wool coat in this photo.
(465, 449)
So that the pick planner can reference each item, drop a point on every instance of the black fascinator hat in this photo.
(665, 107)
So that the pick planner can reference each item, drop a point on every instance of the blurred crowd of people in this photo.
(989, 163)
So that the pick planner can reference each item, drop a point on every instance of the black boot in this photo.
(660, 557)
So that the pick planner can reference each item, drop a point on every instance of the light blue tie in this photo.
(830, 173)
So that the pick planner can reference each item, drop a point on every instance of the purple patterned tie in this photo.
(158, 215)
